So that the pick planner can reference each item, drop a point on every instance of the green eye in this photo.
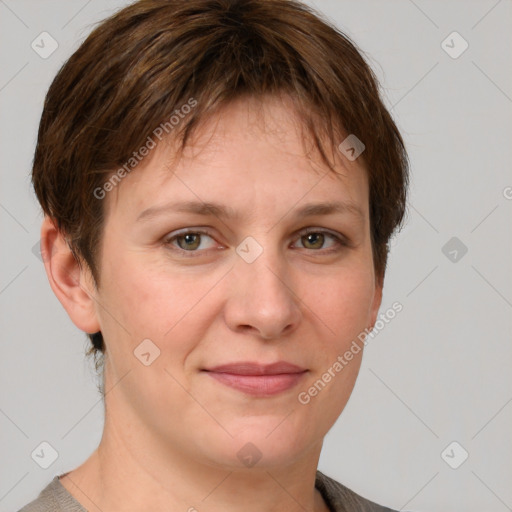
(315, 239)
(192, 242)
(188, 240)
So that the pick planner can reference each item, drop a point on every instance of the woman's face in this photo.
(246, 284)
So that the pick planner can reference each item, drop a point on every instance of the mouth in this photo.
(258, 379)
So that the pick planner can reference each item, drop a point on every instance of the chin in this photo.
(262, 442)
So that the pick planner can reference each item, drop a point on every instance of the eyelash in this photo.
(340, 241)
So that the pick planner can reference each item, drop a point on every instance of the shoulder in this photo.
(342, 499)
(54, 497)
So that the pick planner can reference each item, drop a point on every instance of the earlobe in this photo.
(72, 286)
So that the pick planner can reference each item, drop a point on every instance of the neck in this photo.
(130, 472)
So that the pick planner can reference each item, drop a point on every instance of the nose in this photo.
(262, 299)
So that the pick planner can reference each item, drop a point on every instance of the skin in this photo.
(172, 432)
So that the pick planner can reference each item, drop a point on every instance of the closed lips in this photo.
(256, 379)
(255, 369)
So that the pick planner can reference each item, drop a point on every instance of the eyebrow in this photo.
(225, 212)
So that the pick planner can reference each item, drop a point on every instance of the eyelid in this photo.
(185, 231)
(334, 234)
(339, 239)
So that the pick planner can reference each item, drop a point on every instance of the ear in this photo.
(74, 287)
(377, 300)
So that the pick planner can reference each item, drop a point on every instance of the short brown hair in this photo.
(139, 65)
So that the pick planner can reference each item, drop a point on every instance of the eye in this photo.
(189, 241)
(315, 238)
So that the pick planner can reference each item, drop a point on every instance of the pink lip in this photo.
(257, 379)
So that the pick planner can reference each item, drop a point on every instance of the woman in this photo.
(220, 180)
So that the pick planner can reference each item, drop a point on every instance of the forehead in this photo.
(250, 154)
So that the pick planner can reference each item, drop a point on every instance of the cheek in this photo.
(151, 302)
(343, 304)
(346, 308)
(342, 313)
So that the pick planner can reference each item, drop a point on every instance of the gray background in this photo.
(439, 372)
